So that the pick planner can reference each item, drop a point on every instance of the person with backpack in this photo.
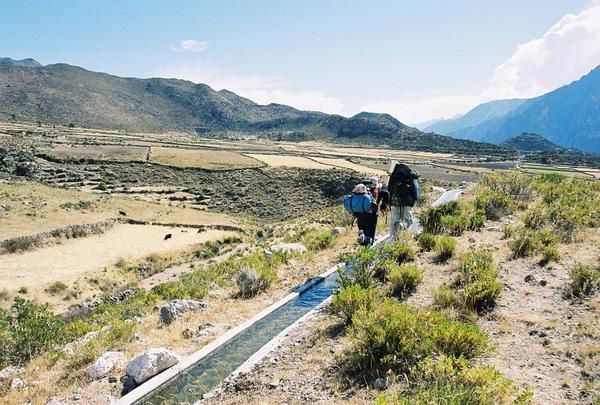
(363, 204)
(403, 187)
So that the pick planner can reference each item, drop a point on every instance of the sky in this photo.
(418, 60)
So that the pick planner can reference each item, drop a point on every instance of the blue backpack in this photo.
(358, 203)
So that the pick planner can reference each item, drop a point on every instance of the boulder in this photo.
(56, 401)
(338, 230)
(17, 384)
(7, 374)
(151, 362)
(285, 248)
(105, 363)
(381, 384)
(175, 308)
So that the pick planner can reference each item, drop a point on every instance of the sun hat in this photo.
(360, 189)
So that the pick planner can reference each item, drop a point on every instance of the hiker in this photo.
(404, 192)
(363, 204)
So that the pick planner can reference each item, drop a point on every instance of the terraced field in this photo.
(202, 158)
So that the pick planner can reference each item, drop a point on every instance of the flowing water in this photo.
(205, 375)
(211, 370)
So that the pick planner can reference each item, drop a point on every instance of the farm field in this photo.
(203, 159)
(349, 165)
(562, 170)
(90, 256)
(98, 152)
(288, 161)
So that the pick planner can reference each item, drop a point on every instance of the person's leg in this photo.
(394, 219)
(362, 225)
(406, 217)
(370, 228)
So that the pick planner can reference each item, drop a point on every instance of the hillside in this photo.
(528, 142)
(70, 95)
(568, 116)
(24, 62)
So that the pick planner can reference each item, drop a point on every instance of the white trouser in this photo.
(400, 219)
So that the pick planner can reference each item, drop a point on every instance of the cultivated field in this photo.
(97, 152)
(288, 161)
(203, 159)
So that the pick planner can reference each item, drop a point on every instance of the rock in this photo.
(493, 229)
(381, 383)
(209, 395)
(338, 230)
(113, 379)
(529, 279)
(285, 247)
(543, 283)
(471, 240)
(8, 373)
(151, 362)
(274, 383)
(105, 363)
(77, 396)
(103, 399)
(175, 308)
(129, 384)
(17, 384)
(56, 401)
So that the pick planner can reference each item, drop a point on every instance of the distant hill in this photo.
(568, 116)
(24, 62)
(527, 142)
(65, 94)
(481, 113)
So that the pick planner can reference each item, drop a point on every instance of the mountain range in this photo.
(527, 143)
(568, 116)
(70, 95)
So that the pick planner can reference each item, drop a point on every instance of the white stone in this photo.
(175, 308)
(338, 230)
(8, 373)
(151, 362)
(105, 363)
(286, 247)
(17, 384)
(56, 401)
(381, 383)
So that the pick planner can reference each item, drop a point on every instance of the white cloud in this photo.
(567, 51)
(415, 110)
(260, 89)
(191, 45)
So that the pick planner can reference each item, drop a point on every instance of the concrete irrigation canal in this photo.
(189, 380)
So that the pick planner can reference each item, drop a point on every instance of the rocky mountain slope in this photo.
(527, 142)
(70, 95)
(568, 116)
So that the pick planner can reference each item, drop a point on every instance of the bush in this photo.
(394, 336)
(57, 287)
(172, 290)
(525, 244)
(400, 251)
(350, 299)
(476, 265)
(361, 268)
(492, 204)
(382, 268)
(585, 281)
(477, 221)
(551, 254)
(427, 241)
(27, 330)
(318, 240)
(250, 282)
(508, 232)
(535, 218)
(445, 297)
(445, 248)
(404, 279)
(481, 295)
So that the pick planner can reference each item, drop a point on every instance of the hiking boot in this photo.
(361, 238)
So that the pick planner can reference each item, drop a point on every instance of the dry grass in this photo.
(37, 208)
(205, 159)
(349, 165)
(288, 161)
(98, 152)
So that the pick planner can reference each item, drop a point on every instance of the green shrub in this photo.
(382, 267)
(585, 280)
(427, 241)
(508, 232)
(551, 254)
(360, 268)
(477, 221)
(102, 186)
(404, 279)
(493, 204)
(27, 330)
(535, 218)
(455, 224)
(525, 244)
(394, 336)
(400, 251)
(445, 297)
(348, 300)
(445, 248)
(476, 265)
(172, 290)
(318, 240)
(481, 295)
(432, 219)
(250, 281)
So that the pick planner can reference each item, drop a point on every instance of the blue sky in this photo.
(418, 60)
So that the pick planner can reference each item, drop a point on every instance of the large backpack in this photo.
(359, 203)
(402, 186)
